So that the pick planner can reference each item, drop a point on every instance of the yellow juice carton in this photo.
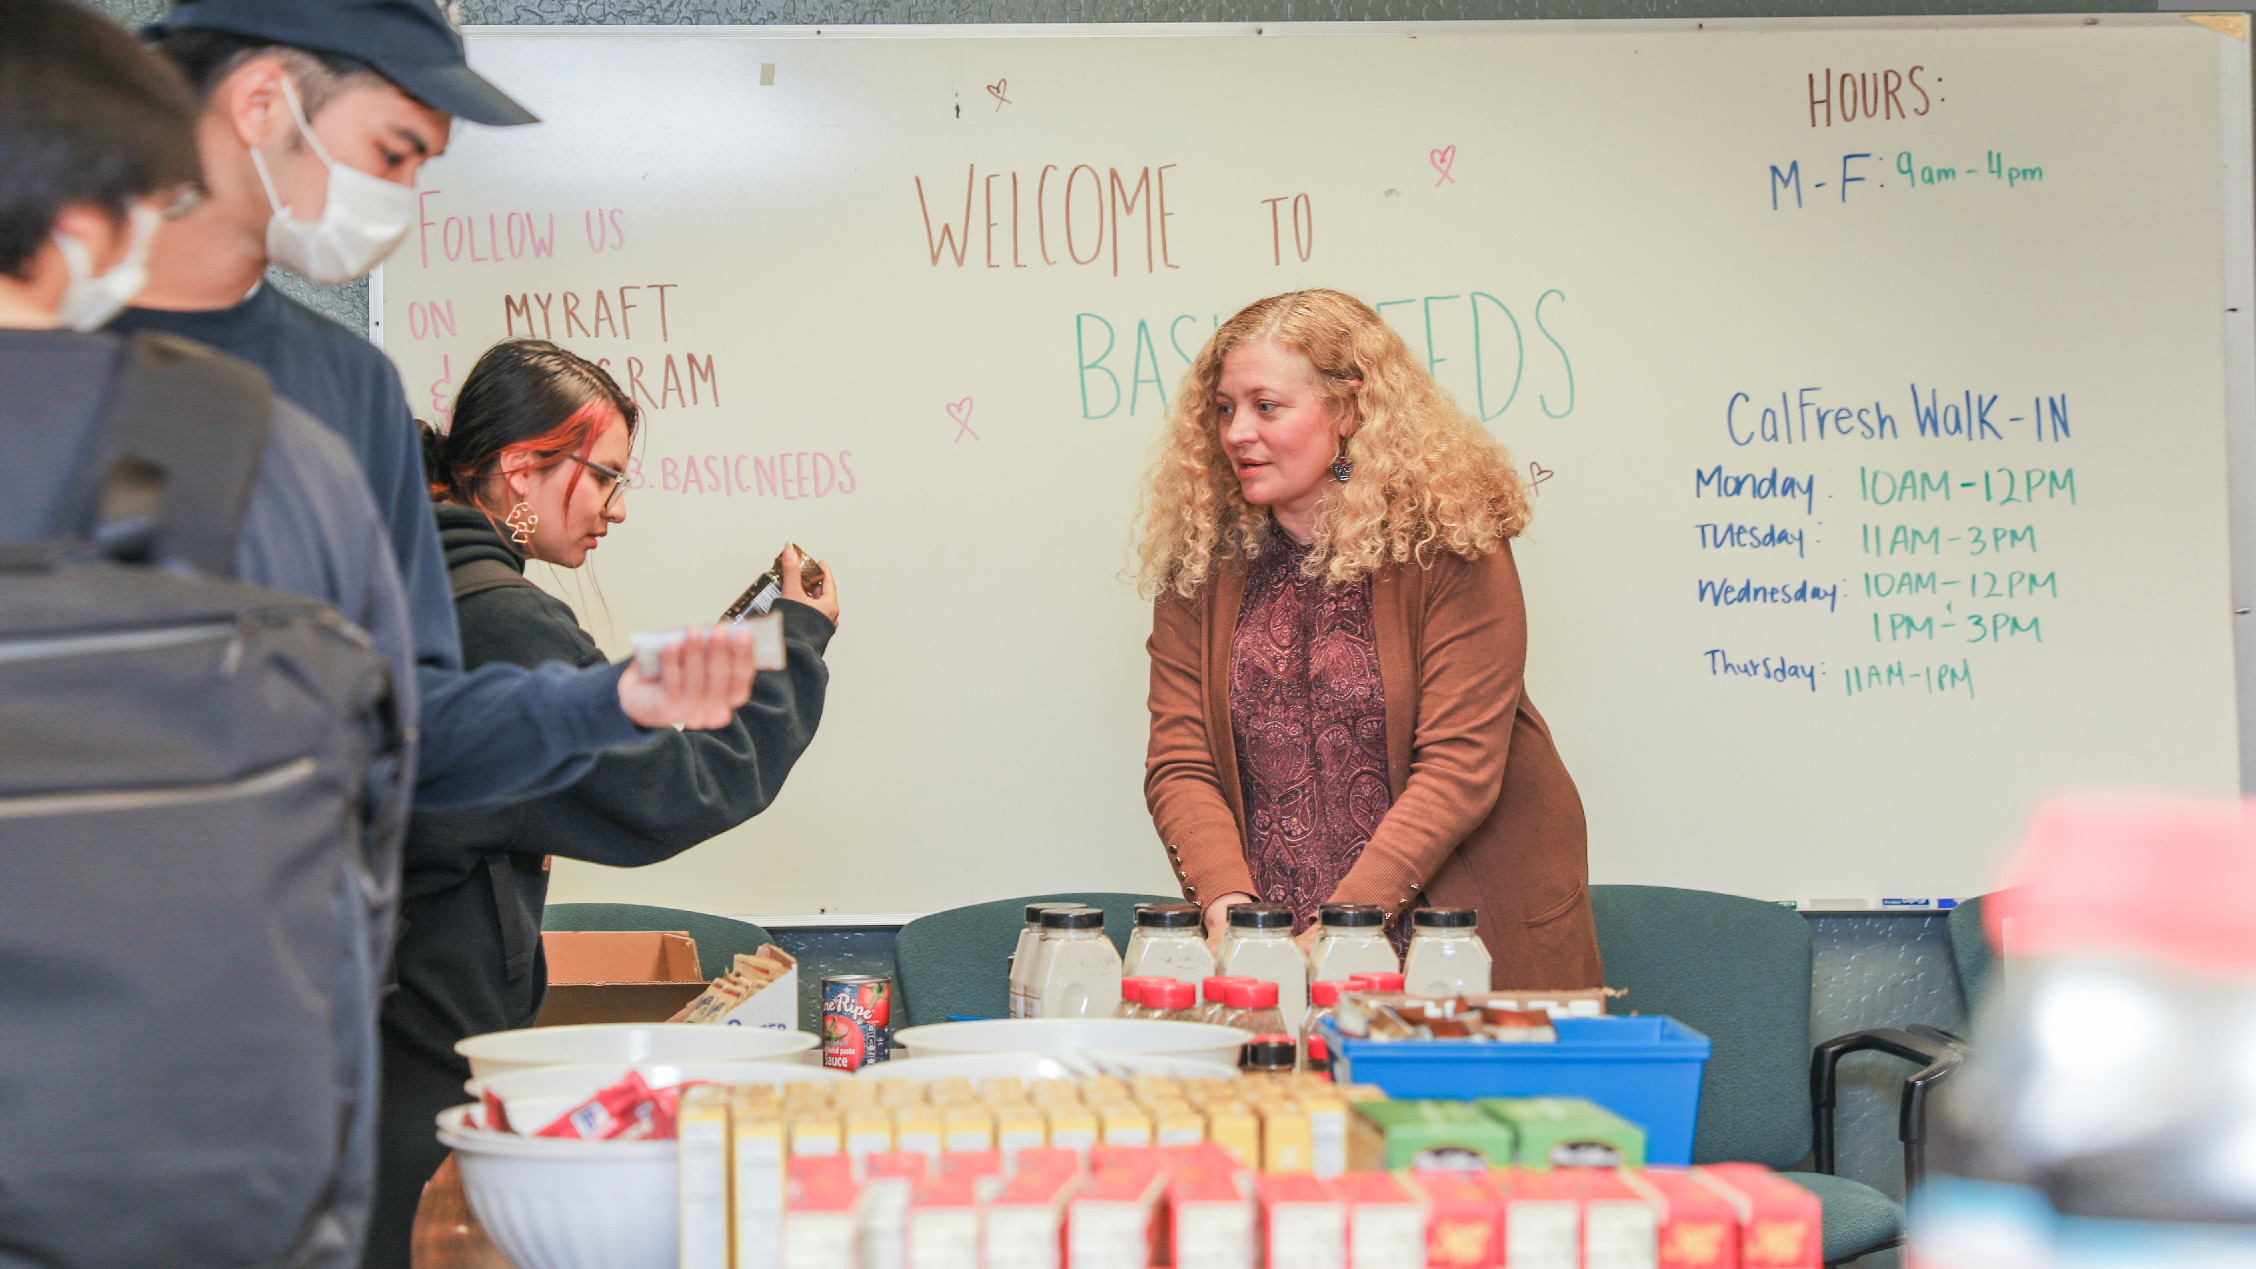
(701, 1125)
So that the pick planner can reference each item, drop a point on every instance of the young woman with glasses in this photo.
(531, 470)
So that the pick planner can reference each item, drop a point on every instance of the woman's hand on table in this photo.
(793, 588)
(1218, 918)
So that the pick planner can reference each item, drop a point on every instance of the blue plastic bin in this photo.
(1647, 1070)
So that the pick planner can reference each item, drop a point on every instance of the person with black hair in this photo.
(530, 469)
(129, 1144)
(316, 116)
(193, 1074)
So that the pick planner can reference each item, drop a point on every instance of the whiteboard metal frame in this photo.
(2237, 131)
(1408, 30)
(376, 306)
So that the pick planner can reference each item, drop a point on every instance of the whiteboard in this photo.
(1874, 375)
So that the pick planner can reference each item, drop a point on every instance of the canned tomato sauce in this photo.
(857, 1011)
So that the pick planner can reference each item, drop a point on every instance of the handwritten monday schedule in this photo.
(1871, 381)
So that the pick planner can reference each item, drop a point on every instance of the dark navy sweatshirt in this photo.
(503, 731)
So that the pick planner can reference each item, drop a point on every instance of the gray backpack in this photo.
(201, 806)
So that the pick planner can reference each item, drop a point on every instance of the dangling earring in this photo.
(1341, 467)
(523, 521)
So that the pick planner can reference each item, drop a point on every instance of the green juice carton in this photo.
(1567, 1132)
(1430, 1135)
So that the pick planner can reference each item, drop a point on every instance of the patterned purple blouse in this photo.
(1309, 716)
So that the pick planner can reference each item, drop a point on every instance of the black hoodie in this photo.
(468, 957)
(471, 898)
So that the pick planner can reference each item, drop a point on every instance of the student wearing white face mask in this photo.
(316, 117)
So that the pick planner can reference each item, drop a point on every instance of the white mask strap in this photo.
(305, 129)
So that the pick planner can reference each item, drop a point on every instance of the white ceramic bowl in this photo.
(1103, 1036)
(555, 1204)
(1041, 1066)
(615, 1042)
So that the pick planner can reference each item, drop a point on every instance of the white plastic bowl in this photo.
(1041, 1066)
(556, 1204)
(1104, 1036)
(583, 1081)
(617, 1042)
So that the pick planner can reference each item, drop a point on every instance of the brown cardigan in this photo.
(1468, 827)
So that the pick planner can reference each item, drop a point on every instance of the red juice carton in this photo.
(972, 1163)
(1781, 1225)
(943, 1223)
(1112, 1220)
(1303, 1221)
(1386, 1223)
(821, 1216)
(1464, 1219)
(1699, 1228)
(908, 1165)
(1047, 1159)
(888, 1179)
(1621, 1228)
(1025, 1222)
(1204, 1157)
(1542, 1218)
(1127, 1158)
(1210, 1216)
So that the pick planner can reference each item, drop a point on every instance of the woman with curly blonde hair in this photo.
(1337, 708)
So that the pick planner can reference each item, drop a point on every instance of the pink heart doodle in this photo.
(996, 90)
(1537, 474)
(960, 411)
(1441, 159)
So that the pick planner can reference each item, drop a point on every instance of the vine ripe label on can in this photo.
(857, 1011)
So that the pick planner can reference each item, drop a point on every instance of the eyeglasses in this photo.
(613, 480)
(185, 199)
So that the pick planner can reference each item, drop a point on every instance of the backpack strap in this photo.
(472, 577)
(178, 446)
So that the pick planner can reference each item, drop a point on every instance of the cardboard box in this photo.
(618, 976)
(775, 1006)
(1567, 1132)
(1427, 1136)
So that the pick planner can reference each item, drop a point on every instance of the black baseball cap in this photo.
(409, 42)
